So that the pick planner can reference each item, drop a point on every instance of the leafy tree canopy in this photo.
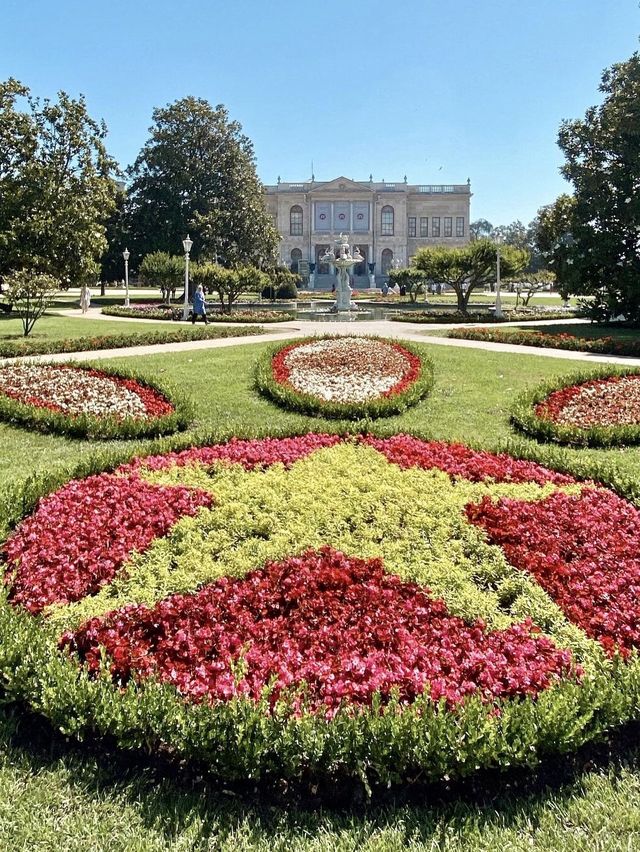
(196, 174)
(57, 185)
(29, 294)
(602, 154)
(466, 268)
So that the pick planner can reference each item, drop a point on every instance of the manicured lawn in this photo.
(585, 330)
(54, 795)
(53, 327)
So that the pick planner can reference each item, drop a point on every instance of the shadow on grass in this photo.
(171, 797)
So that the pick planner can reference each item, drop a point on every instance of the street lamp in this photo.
(126, 257)
(186, 245)
(498, 310)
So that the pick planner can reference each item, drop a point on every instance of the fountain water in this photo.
(342, 258)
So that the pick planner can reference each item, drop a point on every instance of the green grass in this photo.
(54, 327)
(585, 330)
(55, 796)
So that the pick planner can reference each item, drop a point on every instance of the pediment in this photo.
(339, 184)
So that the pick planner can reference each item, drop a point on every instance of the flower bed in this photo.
(483, 315)
(523, 337)
(27, 346)
(345, 377)
(597, 409)
(83, 401)
(172, 312)
(313, 606)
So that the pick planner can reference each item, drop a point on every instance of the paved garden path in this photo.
(415, 332)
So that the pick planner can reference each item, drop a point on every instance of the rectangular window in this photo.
(424, 226)
(435, 226)
(412, 226)
(448, 226)
(459, 226)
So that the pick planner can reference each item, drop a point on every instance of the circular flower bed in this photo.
(84, 401)
(345, 377)
(594, 409)
(425, 608)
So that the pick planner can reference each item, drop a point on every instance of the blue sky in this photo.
(439, 91)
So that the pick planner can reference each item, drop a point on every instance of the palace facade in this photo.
(389, 222)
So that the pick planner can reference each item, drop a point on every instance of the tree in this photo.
(164, 271)
(30, 294)
(57, 185)
(196, 174)
(602, 154)
(553, 239)
(527, 284)
(229, 284)
(481, 229)
(413, 280)
(468, 267)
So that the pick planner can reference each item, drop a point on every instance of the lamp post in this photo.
(498, 310)
(126, 256)
(186, 245)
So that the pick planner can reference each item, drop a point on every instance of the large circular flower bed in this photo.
(345, 377)
(594, 409)
(85, 401)
(381, 608)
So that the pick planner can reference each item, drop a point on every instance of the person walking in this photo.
(199, 306)
(85, 298)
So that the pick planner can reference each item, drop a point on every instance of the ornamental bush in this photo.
(598, 408)
(14, 349)
(524, 337)
(351, 638)
(345, 377)
(81, 401)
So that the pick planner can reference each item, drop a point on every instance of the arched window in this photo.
(295, 221)
(296, 257)
(386, 222)
(387, 259)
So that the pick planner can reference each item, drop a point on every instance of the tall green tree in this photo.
(57, 186)
(602, 153)
(481, 229)
(554, 241)
(196, 174)
(466, 268)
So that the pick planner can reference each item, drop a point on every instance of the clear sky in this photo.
(439, 91)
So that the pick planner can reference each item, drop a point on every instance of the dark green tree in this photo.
(57, 186)
(553, 239)
(196, 174)
(481, 229)
(602, 154)
(466, 268)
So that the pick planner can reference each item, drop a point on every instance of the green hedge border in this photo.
(213, 316)
(27, 416)
(28, 348)
(524, 417)
(426, 317)
(304, 403)
(238, 741)
(543, 340)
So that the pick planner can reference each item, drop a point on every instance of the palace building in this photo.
(388, 222)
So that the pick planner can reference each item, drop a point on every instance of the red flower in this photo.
(340, 624)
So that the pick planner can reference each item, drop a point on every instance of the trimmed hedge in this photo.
(21, 414)
(175, 313)
(26, 347)
(383, 406)
(240, 740)
(436, 316)
(524, 417)
(525, 337)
